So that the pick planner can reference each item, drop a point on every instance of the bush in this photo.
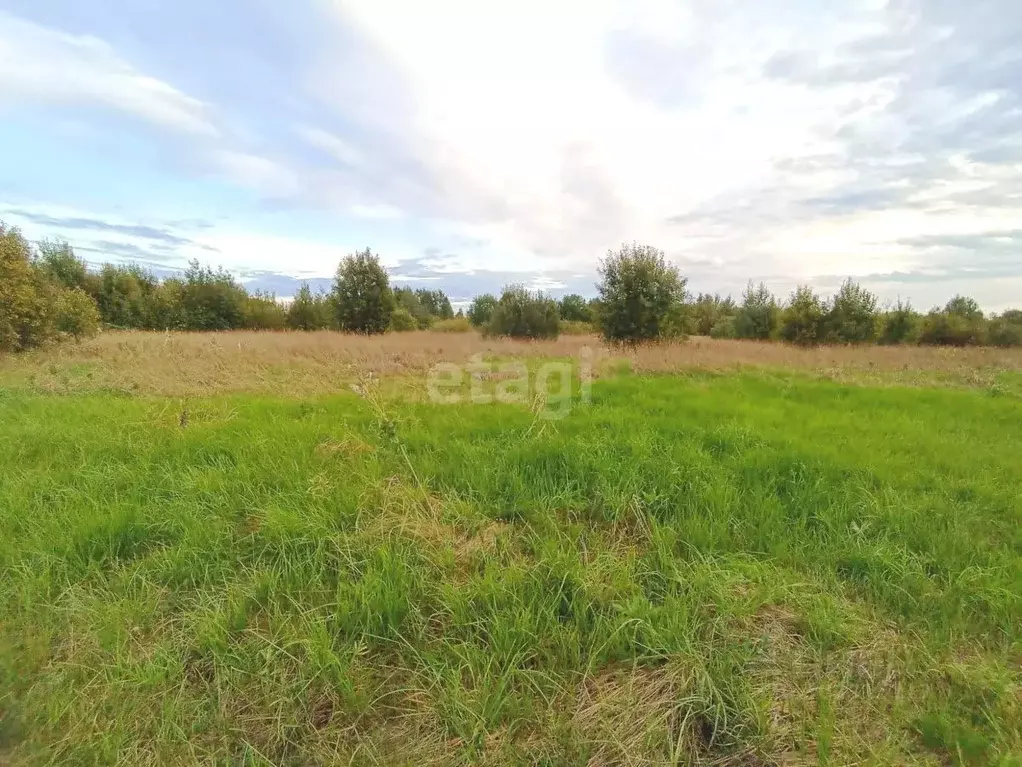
(524, 314)
(725, 327)
(26, 296)
(1003, 332)
(640, 295)
(435, 303)
(707, 310)
(480, 311)
(362, 296)
(59, 261)
(802, 320)
(759, 316)
(453, 325)
(76, 313)
(212, 300)
(401, 320)
(122, 294)
(308, 311)
(264, 312)
(960, 323)
(574, 308)
(899, 325)
(852, 317)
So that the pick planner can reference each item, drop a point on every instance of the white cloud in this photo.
(41, 65)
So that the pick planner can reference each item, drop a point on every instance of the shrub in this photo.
(1003, 333)
(899, 325)
(264, 312)
(26, 296)
(759, 316)
(521, 313)
(453, 325)
(481, 310)
(707, 310)
(409, 300)
(574, 308)
(59, 261)
(211, 300)
(362, 296)
(435, 303)
(401, 320)
(802, 320)
(308, 311)
(1006, 330)
(76, 313)
(725, 327)
(640, 295)
(852, 317)
(960, 323)
(122, 294)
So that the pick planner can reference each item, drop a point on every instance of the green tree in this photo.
(708, 310)
(574, 308)
(59, 261)
(641, 295)
(803, 317)
(436, 303)
(899, 324)
(759, 316)
(852, 316)
(401, 320)
(481, 310)
(959, 323)
(520, 313)
(212, 300)
(264, 312)
(308, 311)
(76, 314)
(362, 294)
(26, 296)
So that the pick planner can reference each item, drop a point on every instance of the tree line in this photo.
(47, 292)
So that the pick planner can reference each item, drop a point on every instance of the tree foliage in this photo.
(521, 313)
(481, 310)
(759, 316)
(802, 321)
(641, 295)
(852, 315)
(362, 296)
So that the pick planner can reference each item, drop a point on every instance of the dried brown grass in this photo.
(194, 364)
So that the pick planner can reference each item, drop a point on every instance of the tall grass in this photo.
(708, 568)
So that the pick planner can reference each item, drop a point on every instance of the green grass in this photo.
(738, 569)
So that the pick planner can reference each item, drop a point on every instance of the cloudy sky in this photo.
(478, 142)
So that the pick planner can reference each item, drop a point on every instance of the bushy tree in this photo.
(26, 296)
(759, 316)
(574, 308)
(521, 313)
(59, 261)
(481, 310)
(76, 314)
(308, 310)
(709, 309)
(212, 300)
(641, 295)
(264, 312)
(852, 316)
(899, 324)
(122, 293)
(803, 317)
(1006, 330)
(362, 295)
(436, 303)
(959, 323)
(401, 320)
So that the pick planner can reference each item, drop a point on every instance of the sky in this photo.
(478, 143)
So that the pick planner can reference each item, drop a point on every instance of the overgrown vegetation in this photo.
(752, 568)
(48, 290)
(522, 313)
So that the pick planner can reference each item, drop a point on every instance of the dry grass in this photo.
(195, 364)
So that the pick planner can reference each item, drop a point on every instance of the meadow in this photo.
(274, 549)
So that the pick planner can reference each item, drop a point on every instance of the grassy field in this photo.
(214, 549)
